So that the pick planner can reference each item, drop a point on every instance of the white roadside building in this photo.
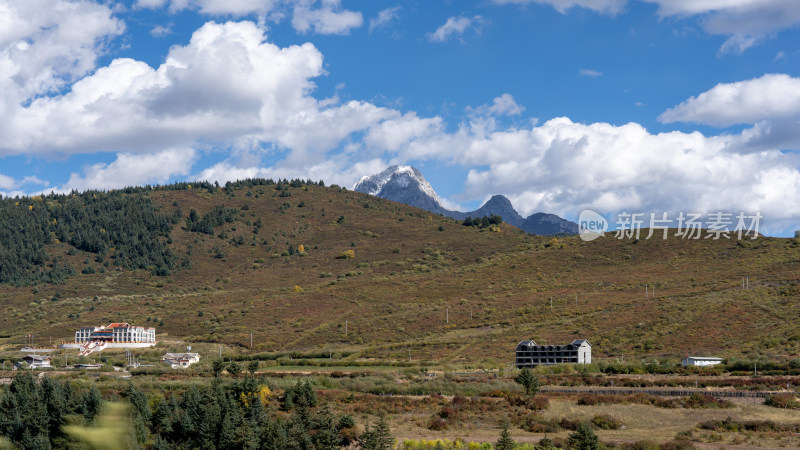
(698, 361)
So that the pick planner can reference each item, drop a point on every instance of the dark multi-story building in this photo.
(530, 354)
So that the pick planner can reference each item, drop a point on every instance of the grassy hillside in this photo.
(411, 269)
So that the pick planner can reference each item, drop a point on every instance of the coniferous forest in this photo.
(223, 414)
(121, 228)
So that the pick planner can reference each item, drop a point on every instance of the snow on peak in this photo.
(373, 184)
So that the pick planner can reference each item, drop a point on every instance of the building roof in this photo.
(119, 325)
(705, 358)
(36, 357)
(575, 343)
(181, 355)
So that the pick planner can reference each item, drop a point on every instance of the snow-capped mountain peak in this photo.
(400, 176)
(405, 184)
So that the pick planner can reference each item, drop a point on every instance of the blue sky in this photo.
(561, 105)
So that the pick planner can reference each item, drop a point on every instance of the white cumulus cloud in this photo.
(45, 44)
(317, 16)
(745, 22)
(194, 95)
(504, 105)
(772, 96)
(328, 18)
(133, 170)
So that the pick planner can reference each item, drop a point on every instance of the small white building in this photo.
(181, 360)
(698, 361)
(35, 362)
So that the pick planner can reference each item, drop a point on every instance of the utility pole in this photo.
(251, 339)
(551, 303)
(448, 315)
(220, 352)
(409, 357)
(470, 313)
(576, 300)
(646, 291)
(345, 328)
(755, 369)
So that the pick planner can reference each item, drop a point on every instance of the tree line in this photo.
(222, 415)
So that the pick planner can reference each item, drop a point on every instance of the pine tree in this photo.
(160, 444)
(275, 436)
(234, 369)
(505, 442)
(528, 380)
(299, 429)
(379, 438)
(545, 443)
(584, 438)
(326, 432)
(252, 367)
(92, 402)
(227, 433)
(217, 366)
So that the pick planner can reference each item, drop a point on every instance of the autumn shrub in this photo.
(785, 401)
(347, 254)
(437, 424)
(606, 422)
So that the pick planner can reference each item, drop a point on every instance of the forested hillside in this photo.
(118, 228)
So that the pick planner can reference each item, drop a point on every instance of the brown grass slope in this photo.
(411, 269)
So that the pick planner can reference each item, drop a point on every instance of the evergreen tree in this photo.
(55, 404)
(160, 444)
(584, 438)
(301, 393)
(326, 431)
(252, 367)
(299, 429)
(234, 369)
(217, 366)
(92, 402)
(251, 438)
(162, 418)
(275, 436)
(379, 438)
(505, 442)
(228, 438)
(138, 399)
(545, 443)
(528, 380)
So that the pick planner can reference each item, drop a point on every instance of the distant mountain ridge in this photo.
(406, 184)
